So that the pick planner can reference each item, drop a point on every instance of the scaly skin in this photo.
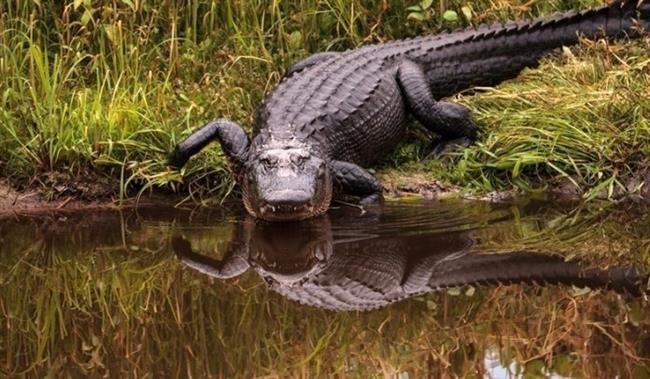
(336, 112)
(306, 263)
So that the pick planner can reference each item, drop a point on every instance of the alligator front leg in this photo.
(453, 122)
(231, 136)
(354, 180)
(234, 263)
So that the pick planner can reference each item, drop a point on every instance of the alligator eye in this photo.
(298, 160)
(267, 162)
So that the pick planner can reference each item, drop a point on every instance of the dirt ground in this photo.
(38, 200)
(51, 194)
(55, 193)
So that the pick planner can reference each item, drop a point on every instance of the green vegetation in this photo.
(106, 88)
(582, 118)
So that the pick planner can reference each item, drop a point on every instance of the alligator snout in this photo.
(286, 205)
(288, 197)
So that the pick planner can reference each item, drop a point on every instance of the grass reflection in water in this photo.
(103, 293)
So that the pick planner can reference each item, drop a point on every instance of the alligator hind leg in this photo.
(354, 180)
(443, 148)
(453, 122)
(231, 136)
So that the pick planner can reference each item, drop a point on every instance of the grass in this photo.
(106, 88)
(582, 118)
(102, 295)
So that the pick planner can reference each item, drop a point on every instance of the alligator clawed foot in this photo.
(372, 200)
(176, 160)
(370, 203)
(443, 149)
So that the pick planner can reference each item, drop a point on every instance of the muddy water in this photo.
(412, 290)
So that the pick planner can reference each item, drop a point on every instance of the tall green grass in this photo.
(580, 121)
(582, 118)
(108, 87)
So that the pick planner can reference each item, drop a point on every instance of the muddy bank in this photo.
(103, 194)
(404, 184)
(38, 200)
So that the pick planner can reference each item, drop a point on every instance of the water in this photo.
(163, 292)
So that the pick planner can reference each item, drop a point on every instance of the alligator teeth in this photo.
(319, 255)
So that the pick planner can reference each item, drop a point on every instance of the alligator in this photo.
(348, 270)
(335, 113)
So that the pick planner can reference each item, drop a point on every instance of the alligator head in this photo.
(282, 178)
(284, 181)
(284, 253)
(291, 254)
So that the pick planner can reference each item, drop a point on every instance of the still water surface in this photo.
(409, 291)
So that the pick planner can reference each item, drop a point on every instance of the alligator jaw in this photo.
(286, 212)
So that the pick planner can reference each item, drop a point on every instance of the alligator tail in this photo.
(529, 267)
(487, 55)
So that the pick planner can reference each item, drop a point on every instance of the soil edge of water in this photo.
(103, 195)
(35, 200)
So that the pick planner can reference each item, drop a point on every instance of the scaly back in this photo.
(488, 55)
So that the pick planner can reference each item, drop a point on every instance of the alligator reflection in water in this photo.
(101, 294)
(347, 268)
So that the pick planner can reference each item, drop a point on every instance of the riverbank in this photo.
(93, 98)
(36, 201)
(399, 185)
